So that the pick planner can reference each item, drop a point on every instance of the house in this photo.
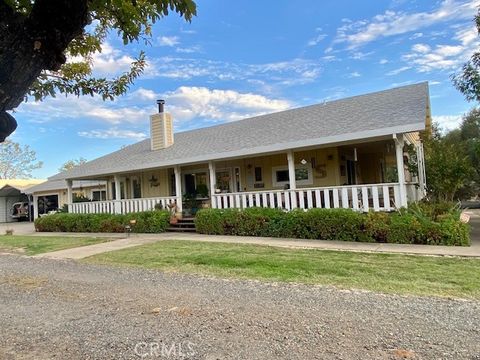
(51, 195)
(346, 153)
(13, 191)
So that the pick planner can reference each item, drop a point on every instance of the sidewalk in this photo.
(140, 239)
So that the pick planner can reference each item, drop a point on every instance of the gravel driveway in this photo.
(68, 310)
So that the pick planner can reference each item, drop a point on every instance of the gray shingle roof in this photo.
(60, 184)
(398, 110)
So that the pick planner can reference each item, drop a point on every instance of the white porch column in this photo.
(69, 195)
(35, 207)
(421, 170)
(178, 187)
(291, 178)
(399, 142)
(118, 195)
(212, 178)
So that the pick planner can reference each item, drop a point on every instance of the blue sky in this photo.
(242, 58)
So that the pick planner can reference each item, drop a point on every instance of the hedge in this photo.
(414, 226)
(146, 222)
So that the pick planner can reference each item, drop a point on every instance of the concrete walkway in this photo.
(89, 250)
(140, 239)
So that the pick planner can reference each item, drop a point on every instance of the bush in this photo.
(439, 225)
(146, 222)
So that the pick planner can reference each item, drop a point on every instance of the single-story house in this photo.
(13, 191)
(346, 153)
(51, 195)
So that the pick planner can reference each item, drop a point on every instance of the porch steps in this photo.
(183, 225)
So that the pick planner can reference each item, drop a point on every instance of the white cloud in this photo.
(358, 55)
(395, 23)
(354, 74)
(188, 50)
(186, 103)
(383, 61)
(109, 62)
(317, 39)
(113, 133)
(398, 71)
(444, 56)
(284, 73)
(168, 40)
(447, 122)
(134, 108)
(421, 48)
(416, 36)
(128, 116)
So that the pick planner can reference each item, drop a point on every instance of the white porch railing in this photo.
(378, 197)
(120, 206)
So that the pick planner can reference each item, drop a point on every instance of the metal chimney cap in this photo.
(160, 103)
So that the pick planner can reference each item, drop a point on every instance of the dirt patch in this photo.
(23, 282)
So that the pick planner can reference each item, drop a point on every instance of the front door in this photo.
(189, 183)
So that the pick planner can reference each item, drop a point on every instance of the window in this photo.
(282, 176)
(99, 195)
(136, 188)
(258, 174)
(223, 180)
(303, 175)
(114, 192)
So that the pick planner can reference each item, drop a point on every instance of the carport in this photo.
(11, 192)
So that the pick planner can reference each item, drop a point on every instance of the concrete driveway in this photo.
(19, 228)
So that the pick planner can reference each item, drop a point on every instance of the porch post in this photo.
(291, 178)
(178, 188)
(69, 195)
(212, 177)
(399, 142)
(118, 195)
(421, 170)
(35, 207)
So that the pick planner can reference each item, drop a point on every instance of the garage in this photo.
(12, 193)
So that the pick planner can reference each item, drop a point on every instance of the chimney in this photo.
(161, 128)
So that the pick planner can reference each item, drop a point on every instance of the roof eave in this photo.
(329, 140)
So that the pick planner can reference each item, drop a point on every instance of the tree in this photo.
(468, 80)
(38, 36)
(447, 165)
(17, 162)
(70, 164)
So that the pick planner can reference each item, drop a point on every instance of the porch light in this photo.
(303, 161)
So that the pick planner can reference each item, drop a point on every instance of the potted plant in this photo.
(202, 191)
(191, 204)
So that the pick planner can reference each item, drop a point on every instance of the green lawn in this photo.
(401, 274)
(32, 245)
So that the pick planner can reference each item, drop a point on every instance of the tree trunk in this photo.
(32, 44)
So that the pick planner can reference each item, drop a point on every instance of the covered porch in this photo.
(363, 176)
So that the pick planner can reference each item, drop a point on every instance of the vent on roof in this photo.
(161, 128)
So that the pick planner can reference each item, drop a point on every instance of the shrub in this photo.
(146, 222)
(439, 225)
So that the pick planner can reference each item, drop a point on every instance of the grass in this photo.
(387, 273)
(33, 245)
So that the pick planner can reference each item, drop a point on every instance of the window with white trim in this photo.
(99, 195)
(303, 175)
